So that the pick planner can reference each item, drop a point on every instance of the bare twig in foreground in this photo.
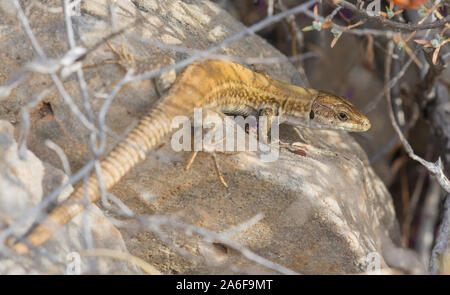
(393, 24)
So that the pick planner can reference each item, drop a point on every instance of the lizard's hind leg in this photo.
(216, 166)
(210, 146)
(125, 60)
(264, 133)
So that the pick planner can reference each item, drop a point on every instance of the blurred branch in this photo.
(434, 99)
(418, 188)
(156, 221)
(371, 106)
(429, 217)
(43, 58)
(393, 24)
(297, 36)
(442, 238)
(67, 8)
(434, 71)
(400, 258)
(393, 141)
(430, 211)
(435, 169)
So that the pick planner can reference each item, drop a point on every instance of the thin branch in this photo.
(372, 105)
(393, 24)
(62, 156)
(435, 169)
(429, 216)
(67, 7)
(441, 239)
(25, 123)
(298, 38)
(212, 236)
(59, 85)
(411, 210)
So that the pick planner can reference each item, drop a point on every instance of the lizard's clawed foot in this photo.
(216, 166)
(124, 59)
(211, 147)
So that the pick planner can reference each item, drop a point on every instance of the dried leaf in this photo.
(435, 55)
(370, 56)
(355, 25)
(334, 41)
(423, 42)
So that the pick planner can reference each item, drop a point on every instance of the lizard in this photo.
(214, 84)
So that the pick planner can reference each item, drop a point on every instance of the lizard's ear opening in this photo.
(321, 116)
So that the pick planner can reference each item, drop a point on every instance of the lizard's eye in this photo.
(311, 115)
(343, 116)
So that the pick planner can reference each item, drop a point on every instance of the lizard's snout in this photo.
(366, 124)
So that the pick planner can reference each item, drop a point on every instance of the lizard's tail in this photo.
(194, 88)
(181, 99)
(150, 130)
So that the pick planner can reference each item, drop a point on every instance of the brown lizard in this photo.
(219, 85)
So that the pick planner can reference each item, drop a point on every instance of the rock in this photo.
(22, 186)
(445, 264)
(319, 211)
(20, 180)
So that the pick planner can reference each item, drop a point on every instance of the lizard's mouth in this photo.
(356, 123)
(366, 125)
(361, 126)
(354, 127)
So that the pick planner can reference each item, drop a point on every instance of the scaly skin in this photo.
(219, 85)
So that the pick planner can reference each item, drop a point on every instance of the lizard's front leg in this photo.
(125, 60)
(265, 129)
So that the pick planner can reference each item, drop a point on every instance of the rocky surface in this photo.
(321, 211)
(23, 184)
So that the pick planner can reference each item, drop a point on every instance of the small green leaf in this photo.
(336, 32)
(435, 43)
(390, 14)
(317, 25)
(422, 11)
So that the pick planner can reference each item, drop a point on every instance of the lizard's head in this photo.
(329, 111)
